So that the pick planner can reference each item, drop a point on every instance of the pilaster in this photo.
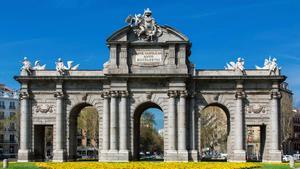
(123, 59)
(193, 153)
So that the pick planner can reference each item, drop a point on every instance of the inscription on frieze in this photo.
(147, 57)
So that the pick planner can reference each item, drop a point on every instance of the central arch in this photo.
(136, 125)
(73, 124)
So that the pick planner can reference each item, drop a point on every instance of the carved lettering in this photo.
(149, 56)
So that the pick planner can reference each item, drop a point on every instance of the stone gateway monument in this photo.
(149, 67)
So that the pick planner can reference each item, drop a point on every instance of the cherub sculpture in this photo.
(239, 65)
(269, 64)
(61, 68)
(26, 65)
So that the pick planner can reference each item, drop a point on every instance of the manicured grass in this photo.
(15, 165)
(275, 166)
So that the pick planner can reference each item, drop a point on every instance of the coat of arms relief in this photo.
(144, 26)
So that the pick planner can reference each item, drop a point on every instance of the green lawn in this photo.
(275, 166)
(15, 165)
(31, 165)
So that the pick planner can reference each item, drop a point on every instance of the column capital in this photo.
(182, 93)
(105, 95)
(113, 93)
(123, 93)
(240, 95)
(24, 95)
(276, 95)
(59, 95)
(172, 93)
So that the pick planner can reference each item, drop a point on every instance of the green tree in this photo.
(150, 140)
(147, 119)
(214, 128)
(89, 125)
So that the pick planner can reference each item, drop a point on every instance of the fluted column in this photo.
(23, 153)
(182, 121)
(105, 123)
(24, 142)
(171, 121)
(123, 121)
(238, 150)
(274, 119)
(113, 121)
(238, 121)
(59, 147)
(274, 153)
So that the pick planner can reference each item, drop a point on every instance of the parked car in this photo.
(296, 156)
(286, 158)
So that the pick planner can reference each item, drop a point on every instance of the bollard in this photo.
(5, 163)
(292, 162)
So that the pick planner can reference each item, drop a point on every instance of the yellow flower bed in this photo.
(147, 165)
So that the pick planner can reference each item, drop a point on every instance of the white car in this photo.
(286, 158)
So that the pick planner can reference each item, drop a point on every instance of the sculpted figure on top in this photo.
(269, 64)
(144, 26)
(26, 65)
(61, 68)
(28, 68)
(239, 65)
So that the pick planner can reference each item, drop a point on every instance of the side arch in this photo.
(225, 106)
(72, 112)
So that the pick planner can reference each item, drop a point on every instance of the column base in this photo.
(193, 155)
(103, 156)
(59, 156)
(123, 156)
(170, 156)
(275, 156)
(174, 155)
(24, 155)
(114, 156)
(183, 156)
(238, 156)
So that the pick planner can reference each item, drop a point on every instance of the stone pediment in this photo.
(127, 34)
(145, 47)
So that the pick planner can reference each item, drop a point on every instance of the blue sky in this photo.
(220, 31)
